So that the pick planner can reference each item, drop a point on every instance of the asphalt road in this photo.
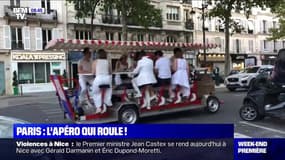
(43, 108)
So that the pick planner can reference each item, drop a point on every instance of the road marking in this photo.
(263, 127)
(239, 135)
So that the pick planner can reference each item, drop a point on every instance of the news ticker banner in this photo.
(89, 141)
(122, 131)
(115, 141)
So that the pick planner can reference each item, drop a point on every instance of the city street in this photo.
(43, 108)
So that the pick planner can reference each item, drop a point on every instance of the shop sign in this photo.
(37, 56)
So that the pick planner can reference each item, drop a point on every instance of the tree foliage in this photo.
(279, 10)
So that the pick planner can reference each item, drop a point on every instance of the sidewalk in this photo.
(38, 94)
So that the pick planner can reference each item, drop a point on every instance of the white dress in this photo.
(145, 70)
(180, 77)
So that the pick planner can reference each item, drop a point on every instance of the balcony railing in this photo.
(189, 24)
(49, 16)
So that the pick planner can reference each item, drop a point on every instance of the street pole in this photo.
(204, 34)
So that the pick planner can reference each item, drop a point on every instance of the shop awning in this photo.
(75, 44)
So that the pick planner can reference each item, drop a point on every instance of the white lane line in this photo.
(263, 127)
(239, 135)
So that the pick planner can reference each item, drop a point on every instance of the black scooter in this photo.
(264, 98)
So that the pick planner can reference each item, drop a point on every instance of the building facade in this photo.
(249, 41)
(23, 41)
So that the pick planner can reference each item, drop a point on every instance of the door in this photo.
(2, 78)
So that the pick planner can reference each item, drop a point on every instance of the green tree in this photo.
(224, 8)
(140, 12)
(279, 10)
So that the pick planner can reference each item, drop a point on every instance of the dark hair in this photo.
(102, 54)
(158, 53)
(178, 52)
(86, 50)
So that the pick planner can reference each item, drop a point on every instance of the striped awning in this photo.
(75, 44)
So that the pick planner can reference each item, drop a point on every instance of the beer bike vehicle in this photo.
(126, 108)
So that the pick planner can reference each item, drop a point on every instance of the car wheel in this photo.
(213, 104)
(128, 115)
(231, 89)
(249, 112)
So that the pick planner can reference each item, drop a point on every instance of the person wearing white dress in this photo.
(181, 75)
(84, 67)
(102, 69)
(145, 78)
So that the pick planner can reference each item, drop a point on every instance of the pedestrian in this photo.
(163, 72)
(102, 69)
(85, 67)
(216, 73)
(180, 78)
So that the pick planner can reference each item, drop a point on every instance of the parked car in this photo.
(246, 78)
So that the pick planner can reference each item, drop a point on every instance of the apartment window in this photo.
(109, 36)
(119, 36)
(250, 27)
(17, 39)
(83, 35)
(151, 37)
(46, 33)
(172, 13)
(274, 46)
(264, 26)
(140, 37)
(46, 5)
(15, 2)
(238, 46)
(265, 45)
(33, 73)
(171, 39)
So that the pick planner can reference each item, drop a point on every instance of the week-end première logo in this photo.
(21, 12)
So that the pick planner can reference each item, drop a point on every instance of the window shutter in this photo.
(26, 36)
(39, 38)
(6, 37)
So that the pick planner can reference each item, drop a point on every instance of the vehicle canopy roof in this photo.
(76, 44)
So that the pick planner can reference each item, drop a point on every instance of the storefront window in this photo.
(26, 73)
(33, 72)
(40, 72)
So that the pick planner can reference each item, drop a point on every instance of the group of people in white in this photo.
(166, 73)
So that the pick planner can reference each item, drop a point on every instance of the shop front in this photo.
(268, 59)
(34, 68)
(213, 60)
